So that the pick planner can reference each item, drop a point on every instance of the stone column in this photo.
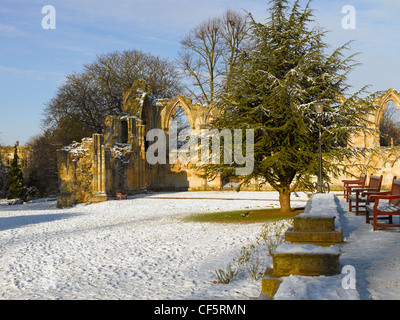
(99, 169)
(140, 133)
(131, 130)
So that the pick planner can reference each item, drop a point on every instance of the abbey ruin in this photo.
(93, 169)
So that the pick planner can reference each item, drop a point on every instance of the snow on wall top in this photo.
(322, 205)
(78, 148)
(306, 249)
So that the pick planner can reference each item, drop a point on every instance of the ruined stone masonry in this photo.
(385, 160)
(93, 169)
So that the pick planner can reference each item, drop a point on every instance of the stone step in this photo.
(313, 223)
(321, 238)
(269, 284)
(312, 251)
(305, 260)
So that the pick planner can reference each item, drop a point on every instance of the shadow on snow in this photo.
(7, 223)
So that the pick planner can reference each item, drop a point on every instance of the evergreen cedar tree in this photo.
(16, 189)
(273, 90)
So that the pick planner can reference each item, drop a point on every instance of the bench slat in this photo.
(386, 207)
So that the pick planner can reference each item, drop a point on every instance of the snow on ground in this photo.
(131, 249)
(374, 257)
(140, 249)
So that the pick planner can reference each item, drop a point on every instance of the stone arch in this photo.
(390, 95)
(197, 115)
(382, 103)
(170, 107)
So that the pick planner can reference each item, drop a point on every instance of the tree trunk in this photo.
(284, 200)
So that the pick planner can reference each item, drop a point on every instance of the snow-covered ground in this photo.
(369, 260)
(131, 249)
(141, 249)
(375, 256)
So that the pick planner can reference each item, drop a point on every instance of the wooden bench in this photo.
(119, 194)
(347, 184)
(359, 198)
(384, 211)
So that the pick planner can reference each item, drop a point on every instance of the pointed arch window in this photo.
(124, 132)
(389, 126)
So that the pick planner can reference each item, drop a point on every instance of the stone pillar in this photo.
(140, 132)
(131, 130)
(112, 130)
(99, 169)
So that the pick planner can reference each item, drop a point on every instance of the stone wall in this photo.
(90, 171)
(75, 173)
(383, 160)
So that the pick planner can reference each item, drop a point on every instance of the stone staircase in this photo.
(312, 250)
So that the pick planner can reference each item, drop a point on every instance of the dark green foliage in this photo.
(16, 189)
(274, 88)
(4, 180)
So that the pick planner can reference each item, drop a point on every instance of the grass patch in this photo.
(243, 216)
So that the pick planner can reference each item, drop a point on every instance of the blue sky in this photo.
(34, 61)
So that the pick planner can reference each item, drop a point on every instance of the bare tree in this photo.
(86, 98)
(42, 169)
(200, 57)
(235, 31)
(209, 52)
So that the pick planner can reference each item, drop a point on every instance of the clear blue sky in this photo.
(34, 61)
